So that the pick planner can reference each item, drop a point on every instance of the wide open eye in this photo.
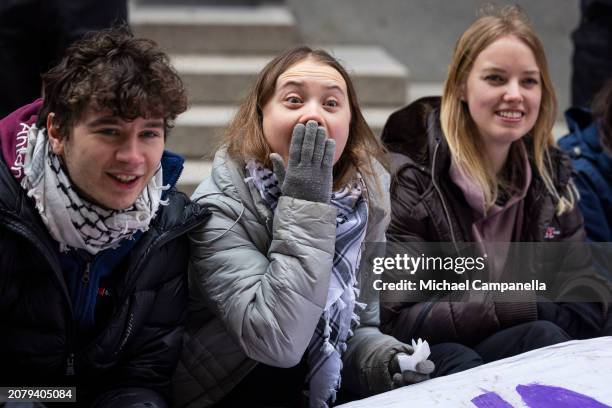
(293, 99)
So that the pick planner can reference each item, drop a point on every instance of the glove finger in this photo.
(328, 156)
(394, 365)
(398, 380)
(295, 148)
(309, 141)
(412, 377)
(278, 167)
(319, 147)
(425, 367)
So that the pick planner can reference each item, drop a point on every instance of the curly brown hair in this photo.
(111, 69)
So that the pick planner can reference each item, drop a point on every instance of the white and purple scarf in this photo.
(340, 316)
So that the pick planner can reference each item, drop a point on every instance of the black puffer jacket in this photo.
(427, 206)
(139, 344)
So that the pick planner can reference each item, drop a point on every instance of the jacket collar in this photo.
(172, 165)
(413, 135)
(583, 140)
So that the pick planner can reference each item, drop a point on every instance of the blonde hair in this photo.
(245, 138)
(457, 124)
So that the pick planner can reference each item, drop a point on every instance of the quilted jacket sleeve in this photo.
(268, 296)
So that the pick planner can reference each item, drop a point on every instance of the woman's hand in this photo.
(309, 169)
(402, 378)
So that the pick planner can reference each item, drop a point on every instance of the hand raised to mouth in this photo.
(308, 175)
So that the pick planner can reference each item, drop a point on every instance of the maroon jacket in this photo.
(426, 206)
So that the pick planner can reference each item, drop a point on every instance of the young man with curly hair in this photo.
(93, 245)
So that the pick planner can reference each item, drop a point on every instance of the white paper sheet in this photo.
(581, 366)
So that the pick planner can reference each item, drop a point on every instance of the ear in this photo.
(463, 94)
(55, 137)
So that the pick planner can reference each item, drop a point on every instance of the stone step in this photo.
(193, 173)
(199, 131)
(225, 79)
(216, 29)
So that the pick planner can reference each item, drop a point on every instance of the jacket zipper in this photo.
(437, 188)
(128, 333)
(160, 241)
(41, 247)
(70, 364)
(85, 277)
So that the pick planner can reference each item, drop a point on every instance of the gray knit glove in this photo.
(403, 378)
(309, 168)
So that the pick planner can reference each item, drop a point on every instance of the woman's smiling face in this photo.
(503, 92)
(308, 90)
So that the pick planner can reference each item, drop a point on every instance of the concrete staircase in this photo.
(219, 50)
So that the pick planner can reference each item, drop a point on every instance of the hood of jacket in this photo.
(14, 130)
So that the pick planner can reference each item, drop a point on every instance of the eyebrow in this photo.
(114, 121)
(495, 69)
(300, 84)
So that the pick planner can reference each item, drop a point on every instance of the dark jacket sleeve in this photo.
(9, 265)
(578, 280)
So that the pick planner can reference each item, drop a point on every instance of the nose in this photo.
(129, 150)
(513, 92)
(312, 111)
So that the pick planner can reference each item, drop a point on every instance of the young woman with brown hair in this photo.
(277, 301)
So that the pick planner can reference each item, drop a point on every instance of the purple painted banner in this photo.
(546, 396)
(490, 400)
(540, 396)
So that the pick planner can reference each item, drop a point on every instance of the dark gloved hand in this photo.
(309, 168)
(403, 378)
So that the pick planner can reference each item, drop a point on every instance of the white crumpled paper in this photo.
(421, 352)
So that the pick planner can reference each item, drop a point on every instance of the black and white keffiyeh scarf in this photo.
(73, 221)
(340, 316)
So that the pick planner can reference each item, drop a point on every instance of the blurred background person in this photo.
(589, 144)
(592, 59)
(34, 35)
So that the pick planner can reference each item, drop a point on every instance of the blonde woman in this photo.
(278, 306)
(478, 165)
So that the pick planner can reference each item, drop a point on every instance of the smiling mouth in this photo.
(510, 114)
(124, 178)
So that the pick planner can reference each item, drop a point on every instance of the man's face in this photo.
(110, 161)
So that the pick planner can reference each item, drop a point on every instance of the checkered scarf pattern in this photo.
(73, 221)
(340, 316)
